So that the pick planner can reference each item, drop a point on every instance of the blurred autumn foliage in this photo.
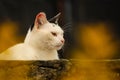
(95, 41)
(9, 35)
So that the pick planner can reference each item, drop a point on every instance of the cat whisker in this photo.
(67, 27)
(64, 26)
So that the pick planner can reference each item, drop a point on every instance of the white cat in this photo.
(41, 43)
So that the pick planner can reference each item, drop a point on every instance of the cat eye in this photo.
(54, 34)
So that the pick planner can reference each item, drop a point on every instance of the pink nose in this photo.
(62, 40)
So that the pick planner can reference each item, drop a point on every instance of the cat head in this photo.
(45, 34)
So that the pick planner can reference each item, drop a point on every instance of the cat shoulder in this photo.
(15, 52)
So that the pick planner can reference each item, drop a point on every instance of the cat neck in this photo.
(40, 54)
(40, 48)
(43, 54)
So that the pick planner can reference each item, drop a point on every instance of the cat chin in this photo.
(58, 47)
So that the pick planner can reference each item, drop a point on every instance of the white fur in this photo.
(39, 44)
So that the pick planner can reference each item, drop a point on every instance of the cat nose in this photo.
(62, 40)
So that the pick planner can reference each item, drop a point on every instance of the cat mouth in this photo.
(58, 45)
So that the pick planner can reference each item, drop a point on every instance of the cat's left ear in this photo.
(40, 19)
(55, 18)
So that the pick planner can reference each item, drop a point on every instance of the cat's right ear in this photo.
(55, 18)
(40, 20)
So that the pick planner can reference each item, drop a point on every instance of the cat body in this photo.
(25, 52)
(41, 43)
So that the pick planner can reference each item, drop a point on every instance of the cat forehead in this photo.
(53, 27)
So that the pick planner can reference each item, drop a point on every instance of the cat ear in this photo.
(40, 19)
(55, 18)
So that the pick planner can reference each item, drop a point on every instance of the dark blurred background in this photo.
(21, 14)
